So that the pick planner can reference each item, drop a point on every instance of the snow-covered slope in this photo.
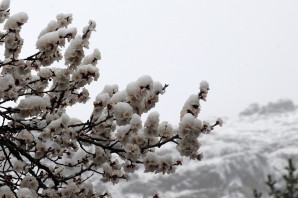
(237, 159)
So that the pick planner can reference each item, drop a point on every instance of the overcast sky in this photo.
(246, 50)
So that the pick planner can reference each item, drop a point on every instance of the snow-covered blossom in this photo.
(100, 156)
(6, 82)
(50, 193)
(139, 138)
(63, 20)
(25, 136)
(33, 105)
(204, 88)
(87, 30)
(24, 193)
(4, 10)
(19, 166)
(4, 4)
(83, 96)
(6, 192)
(145, 84)
(7, 85)
(122, 133)
(92, 58)
(119, 97)
(188, 146)
(85, 74)
(206, 127)
(130, 167)
(149, 102)
(219, 121)
(135, 122)
(48, 41)
(15, 21)
(74, 53)
(151, 162)
(151, 124)
(110, 89)
(122, 112)
(2, 157)
(132, 152)
(69, 190)
(166, 165)
(40, 150)
(189, 125)
(192, 106)
(101, 100)
(133, 92)
(29, 182)
(165, 129)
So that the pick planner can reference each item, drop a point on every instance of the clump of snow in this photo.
(15, 21)
(33, 105)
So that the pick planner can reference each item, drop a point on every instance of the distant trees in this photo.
(287, 187)
(280, 106)
(44, 152)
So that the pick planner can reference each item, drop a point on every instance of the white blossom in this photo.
(145, 83)
(165, 130)
(4, 4)
(110, 89)
(101, 100)
(19, 166)
(92, 58)
(189, 125)
(135, 122)
(85, 74)
(15, 21)
(74, 53)
(25, 193)
(100, 156)
(132, 152)
(6, 192)
(29, 182)
(133, 92)
(119, 97)
(64, 20)
(122, 112)
(50, 193)
(25, 136)
(33, 105)
(7, 82)
(188, 146)
(130, 167)
(151, 162)
(192, 106)
(204, 85)
(151, 124)
(219, 121)
(204, 88)
(166, 165)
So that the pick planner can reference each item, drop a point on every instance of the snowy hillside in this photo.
(237, 158)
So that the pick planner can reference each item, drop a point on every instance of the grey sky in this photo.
(246, 50)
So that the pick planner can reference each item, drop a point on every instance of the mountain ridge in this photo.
(237, 159)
